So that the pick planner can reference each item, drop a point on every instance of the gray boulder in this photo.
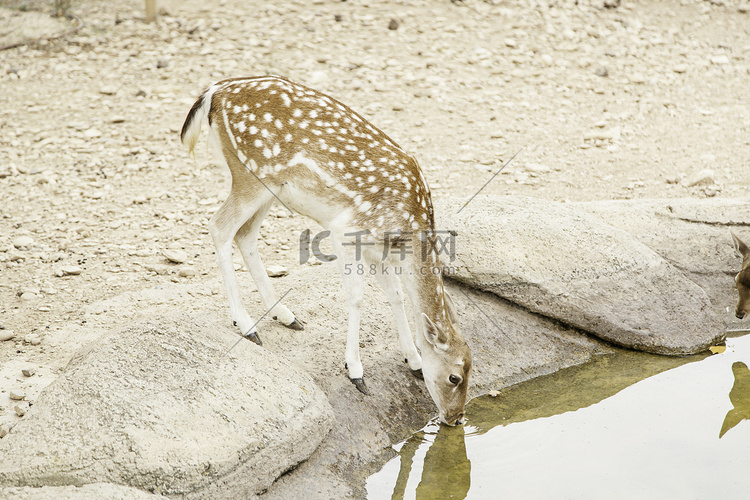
(564, 263)
(160, 405)
(691, 234)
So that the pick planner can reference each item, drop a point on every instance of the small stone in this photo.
(108, 90)
(68, 271)
(603, 135)
(175, 255)
(6, 335)
(638, 79)
(537, 168)
(33, 339)
(393, 25)
(276, 271)
(23, 242)
(510, 43)
(186, 272)
(705, 177)
(4, 430)
(710, 192)
(20, 410)
(17, 395)
(157, 268)
(719, 59)
(680, 68)
(92, 133)
(601, 71)
(29, 371)
(318, 77)
(28, 296)
(162, 63)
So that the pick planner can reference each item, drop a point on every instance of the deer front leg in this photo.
(391, 286)
(354, 287)
(247, 241)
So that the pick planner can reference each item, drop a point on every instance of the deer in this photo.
(743, 278)
(287, 143)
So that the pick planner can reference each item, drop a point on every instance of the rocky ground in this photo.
(99, 199)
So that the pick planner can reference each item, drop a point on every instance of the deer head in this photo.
(743, 278)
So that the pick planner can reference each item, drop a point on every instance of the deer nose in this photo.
(457, 420)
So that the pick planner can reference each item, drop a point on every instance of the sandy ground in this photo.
(647, 100)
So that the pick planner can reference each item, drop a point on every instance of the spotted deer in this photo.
(285, 142)
(743, 278)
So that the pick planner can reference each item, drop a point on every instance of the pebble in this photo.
(33, 339)
(680, 68)
(157, 268)
(23, 241)
(92, 133)
(393, 25)
(720, 59)
(175, 255)
(17, 395)
(601, 71)
(29, 371)
(705, 177)
(20, 410)
(536, 168)
(29, 296)
(68, 271)
(4, 430)
(186, 272)
(276, 271)
(603, 135)
(6, 335)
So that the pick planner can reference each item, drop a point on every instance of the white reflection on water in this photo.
(658, 438)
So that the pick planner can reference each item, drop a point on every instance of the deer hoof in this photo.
(359, 383)
(417, 373)
(253, 336)
(296, 325)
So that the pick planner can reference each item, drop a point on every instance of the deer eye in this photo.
(454, 379)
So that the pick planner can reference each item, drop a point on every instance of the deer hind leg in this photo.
(223, 227)
(391, 286)
(354, 287)
(247, 241)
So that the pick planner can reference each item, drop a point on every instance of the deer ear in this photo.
(434, 334)
(740, 247)
(450, 307)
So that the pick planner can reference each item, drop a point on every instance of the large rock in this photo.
(567, 264)
(691, 234)
(160, 405)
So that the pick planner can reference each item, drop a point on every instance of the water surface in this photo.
(628, 425)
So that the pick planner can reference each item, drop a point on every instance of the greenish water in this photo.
(624, 426)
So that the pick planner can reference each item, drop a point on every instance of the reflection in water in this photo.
(446, 471)
(739, 397)
(625, 426)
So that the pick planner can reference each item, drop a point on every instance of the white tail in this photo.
(283, 141)
(743, 278)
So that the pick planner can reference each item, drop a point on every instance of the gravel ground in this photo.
(645, 100)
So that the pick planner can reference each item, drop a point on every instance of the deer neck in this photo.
(425, 285)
